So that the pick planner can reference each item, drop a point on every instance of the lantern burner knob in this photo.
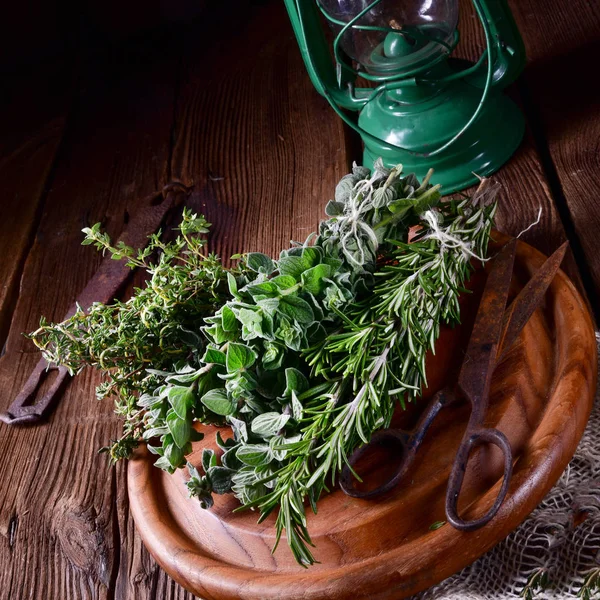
(398, 45)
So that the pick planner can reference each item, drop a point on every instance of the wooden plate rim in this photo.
(391, 573)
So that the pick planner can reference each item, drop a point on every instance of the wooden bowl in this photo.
(541, 398)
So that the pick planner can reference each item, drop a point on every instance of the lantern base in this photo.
(479, 152)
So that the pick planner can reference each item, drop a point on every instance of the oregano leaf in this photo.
(297, 408)
(255, 455)
(239, 356)
(214, 356)
(260, 263)
(284, 282)
(209, 459)
(165, 464)
(297, 309)
(174, 454)
(228, 319)
(220, 479)
(312, 279)
(268, 424)
(179, 428)
(239, 428)
(218, 402)
(293, 266)
(259, 290)
(181, 399)
(295, 381)
(233, 287)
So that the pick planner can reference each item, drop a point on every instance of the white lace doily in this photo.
(554, 554)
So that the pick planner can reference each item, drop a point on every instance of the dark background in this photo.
(35, 33)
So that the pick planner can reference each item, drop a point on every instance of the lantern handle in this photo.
(509, 56)
(508, 53)
(320, 69)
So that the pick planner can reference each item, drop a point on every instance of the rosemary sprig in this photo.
(379, 352)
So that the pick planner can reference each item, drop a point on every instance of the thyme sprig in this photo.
(156, 330)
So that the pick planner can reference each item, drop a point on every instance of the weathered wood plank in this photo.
(262, 149)
(30, 134)
(525, 186)
(563, 48)
(60, 513)
(263, 152)
(138, 575)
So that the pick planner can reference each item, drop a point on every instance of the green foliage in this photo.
(591, 585)
(218, 402)
(304, 357)
(372, 358)
(537, 582)
(154, 334)
(216, 479)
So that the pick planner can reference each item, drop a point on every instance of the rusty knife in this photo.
(102, 287)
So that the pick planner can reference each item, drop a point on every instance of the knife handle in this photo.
(24, 409)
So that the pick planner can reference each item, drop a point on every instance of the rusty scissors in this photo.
(495, 329)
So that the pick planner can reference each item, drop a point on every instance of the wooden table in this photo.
(224, 105)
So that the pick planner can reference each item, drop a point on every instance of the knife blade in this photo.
(102, 287)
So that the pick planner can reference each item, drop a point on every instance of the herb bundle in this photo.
(304, 357)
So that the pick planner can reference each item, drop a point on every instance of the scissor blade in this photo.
(478, 365)
(529, 298)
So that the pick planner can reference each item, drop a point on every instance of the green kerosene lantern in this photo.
(425, 109)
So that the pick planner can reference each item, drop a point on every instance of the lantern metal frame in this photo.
(476, 127)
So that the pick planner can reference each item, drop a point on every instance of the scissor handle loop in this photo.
(379, 438)
(409, 440)
(492, 436)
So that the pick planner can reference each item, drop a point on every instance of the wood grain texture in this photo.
(525, 188)
(59, 512)
(541, 397)
(30, 134)
(256, 141)
(563, 48)
(261, 148)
